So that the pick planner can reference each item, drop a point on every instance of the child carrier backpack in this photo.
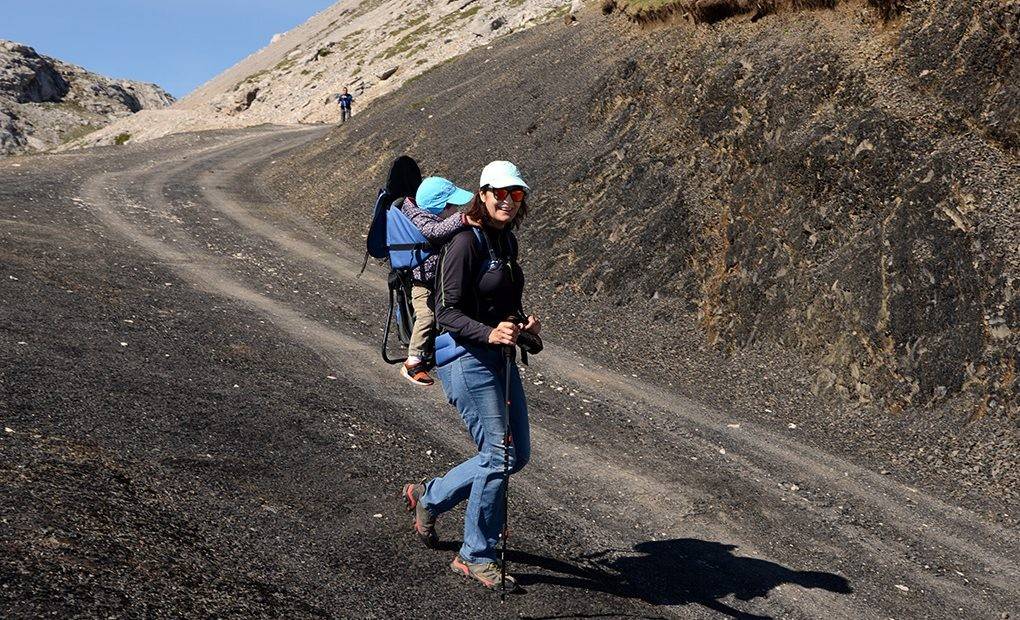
(393, 236)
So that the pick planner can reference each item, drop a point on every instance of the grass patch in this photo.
(121, 139)
(366, 6)
(636, 6)
(714, 10)
(447, 24)
(284, 64)
(251, 79)
(411, 23)
(556, 13)
(708, 11)
(70, 106)
(78, 132)
(418, 48)
(405, 43)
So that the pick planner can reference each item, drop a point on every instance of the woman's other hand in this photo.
(533, 326)
(505, 333)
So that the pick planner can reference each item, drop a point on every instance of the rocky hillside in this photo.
(370, 46)
(45, 102)
(821, 189)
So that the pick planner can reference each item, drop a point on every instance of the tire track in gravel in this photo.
(660, 499)
(758, 445)
(988, 549)
(207, 274)
(194, 265)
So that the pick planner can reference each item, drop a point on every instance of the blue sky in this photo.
(178, 44)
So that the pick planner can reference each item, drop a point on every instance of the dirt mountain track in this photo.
(758, 214)
(197, 423)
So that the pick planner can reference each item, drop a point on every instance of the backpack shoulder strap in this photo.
(480, 239)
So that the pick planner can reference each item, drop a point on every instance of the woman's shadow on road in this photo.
(675, 572)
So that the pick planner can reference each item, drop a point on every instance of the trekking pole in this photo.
(508, 352)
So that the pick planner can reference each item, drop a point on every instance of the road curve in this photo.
(638, 502)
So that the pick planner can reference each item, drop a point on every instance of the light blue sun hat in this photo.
(435, 193)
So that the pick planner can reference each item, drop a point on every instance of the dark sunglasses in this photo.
(516, 194)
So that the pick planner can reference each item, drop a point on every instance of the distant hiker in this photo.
(345, 100)
(479, 290)
(434, 213)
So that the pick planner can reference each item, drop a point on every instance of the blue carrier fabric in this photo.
(407, 247)
(392, 235)
(403, 181)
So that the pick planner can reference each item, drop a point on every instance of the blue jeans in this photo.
(474, 383)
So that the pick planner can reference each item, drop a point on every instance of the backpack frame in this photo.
(401, 183)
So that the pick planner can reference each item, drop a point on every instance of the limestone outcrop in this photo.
(45, 102)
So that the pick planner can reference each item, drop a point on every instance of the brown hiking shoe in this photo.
(417, 374)
(488, 574)
(424, 521)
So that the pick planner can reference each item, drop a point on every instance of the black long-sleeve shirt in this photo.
(478, 287)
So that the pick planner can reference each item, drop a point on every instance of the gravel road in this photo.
(197, 423)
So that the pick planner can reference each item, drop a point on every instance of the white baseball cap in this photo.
(502, 174)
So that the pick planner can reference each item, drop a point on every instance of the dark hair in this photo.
(476, 210)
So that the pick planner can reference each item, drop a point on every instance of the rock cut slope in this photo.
(817, 189)
(370, 46)
(45, 102)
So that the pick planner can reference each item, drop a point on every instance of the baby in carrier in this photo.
(434, 212)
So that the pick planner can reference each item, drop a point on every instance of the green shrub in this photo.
(122, 139)
(77, 132)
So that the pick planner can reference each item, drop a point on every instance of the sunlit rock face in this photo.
(45, 102)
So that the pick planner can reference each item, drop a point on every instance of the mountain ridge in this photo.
(371, 47)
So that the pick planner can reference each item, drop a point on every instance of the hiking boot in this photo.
(424, 521)
(488, 574)
(417, 374)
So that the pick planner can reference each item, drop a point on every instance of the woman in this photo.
(478, 302)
